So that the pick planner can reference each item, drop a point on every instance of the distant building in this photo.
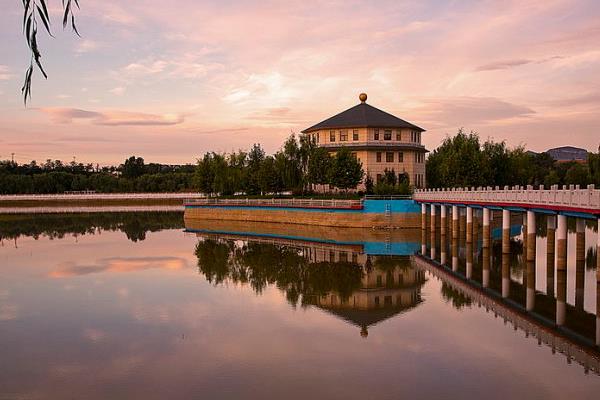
(379, 140)
(568, 153)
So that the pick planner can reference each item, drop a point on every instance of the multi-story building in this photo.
(381, 141)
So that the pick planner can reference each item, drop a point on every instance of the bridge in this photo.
(466, 205)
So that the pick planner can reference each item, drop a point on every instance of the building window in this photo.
(389, 157)
(318, 137)
(378, 156)
(332, 136)
(420, 157)
(376, 135)
(415, 136)
(398, 135)
(344, 136)
(355, 134)
(343, 256)
(354, 258)
(379, 178)
(354, 155)
(379, 281)
(376, 301)
(400, 156)
(387, 134)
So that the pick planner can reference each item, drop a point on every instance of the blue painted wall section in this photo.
(371, 248)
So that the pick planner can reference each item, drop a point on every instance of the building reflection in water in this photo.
(356, 282)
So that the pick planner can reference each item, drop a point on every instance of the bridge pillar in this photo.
(443, 220)
(505, 231)
(561, 269)
(432, 232)
(454, 222)
(485, 281)
(469, 224)
(423, 216)
(530, 294)
(486, 227)
(524, 234)
(505, 275)
(579, 262)
(462, 222)
(550, 248)
(530, 236)
(469, 250)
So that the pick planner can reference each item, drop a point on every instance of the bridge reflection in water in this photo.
(368, 276)
(495, 269)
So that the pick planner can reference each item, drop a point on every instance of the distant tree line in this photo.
(58, 177)
(463, 161)
(298, 167)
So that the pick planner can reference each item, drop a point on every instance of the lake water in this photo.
(131, 306)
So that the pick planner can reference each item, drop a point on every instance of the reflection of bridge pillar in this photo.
(486, 267)
(561, 269)
(443, 220)
(530, 236)
(454, 222)
(579, 263)
(530, 296)
(432, 254)
(469, 251)
(454, 254)
(469, 224)
(550, 246)
(443, 247)
(462, 222)
(505, 275)
(505, 231)
(486, 227)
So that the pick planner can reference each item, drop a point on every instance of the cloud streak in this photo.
(111, 118)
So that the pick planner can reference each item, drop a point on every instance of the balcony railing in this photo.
(287, 203)
(373, 143)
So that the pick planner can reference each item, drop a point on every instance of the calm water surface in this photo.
(128, 306)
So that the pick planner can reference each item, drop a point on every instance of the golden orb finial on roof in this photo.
(362, 97)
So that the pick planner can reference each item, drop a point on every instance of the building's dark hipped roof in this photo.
(363, 115)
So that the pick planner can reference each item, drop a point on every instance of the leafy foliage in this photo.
(34, 10)
(462, 161)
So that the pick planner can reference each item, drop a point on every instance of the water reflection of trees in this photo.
(135, 225)
(454, 296)
(262, 264)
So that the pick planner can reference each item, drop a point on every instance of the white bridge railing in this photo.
(572, 196)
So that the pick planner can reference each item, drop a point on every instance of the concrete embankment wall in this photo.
(402, 214)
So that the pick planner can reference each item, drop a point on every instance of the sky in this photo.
(168, 81)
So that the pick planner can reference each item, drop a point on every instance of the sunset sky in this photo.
(169, 81)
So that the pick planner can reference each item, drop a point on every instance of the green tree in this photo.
(133, 167)
(346, 170)
(319, 165)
